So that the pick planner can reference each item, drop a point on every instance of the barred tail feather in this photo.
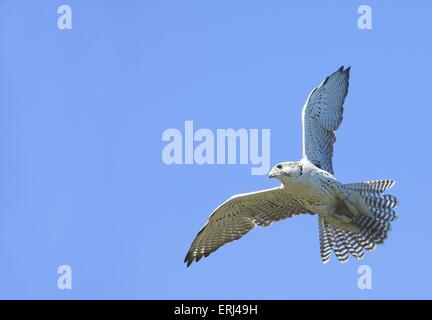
(354, 247)
(372, 186)
(326, 240)
(373, 230)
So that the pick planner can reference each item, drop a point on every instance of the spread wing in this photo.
(322, 115)
(240, 214)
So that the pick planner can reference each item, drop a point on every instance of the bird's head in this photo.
(286, 171)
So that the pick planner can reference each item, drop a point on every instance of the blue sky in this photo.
(82, 113)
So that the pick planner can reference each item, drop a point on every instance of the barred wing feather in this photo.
(322, 114)
(240, 214)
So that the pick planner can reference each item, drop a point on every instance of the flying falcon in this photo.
(352, 217)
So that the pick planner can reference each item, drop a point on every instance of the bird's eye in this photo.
(279, 166)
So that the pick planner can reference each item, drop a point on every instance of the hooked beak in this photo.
(272, 174)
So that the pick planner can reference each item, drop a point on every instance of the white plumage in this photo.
(352, 217)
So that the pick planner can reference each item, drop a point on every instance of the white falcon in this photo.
(352, 217)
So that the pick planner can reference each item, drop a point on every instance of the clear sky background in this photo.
(82, 112)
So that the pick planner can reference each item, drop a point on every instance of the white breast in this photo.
(309, 189)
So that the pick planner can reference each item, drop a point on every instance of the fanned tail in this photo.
(373, 230)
